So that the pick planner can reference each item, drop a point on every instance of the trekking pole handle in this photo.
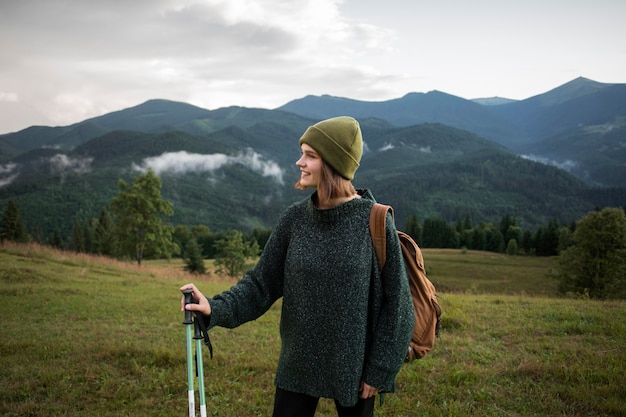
(188, 295)
(197, 330)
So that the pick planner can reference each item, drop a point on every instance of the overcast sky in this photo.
(62, 61)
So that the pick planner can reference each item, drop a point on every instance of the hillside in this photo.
(237, 178)
(520, 125)
(233, 167)
(606, 165)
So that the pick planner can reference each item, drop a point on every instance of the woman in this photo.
(345, 326)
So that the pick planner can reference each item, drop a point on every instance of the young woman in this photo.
(345, 326)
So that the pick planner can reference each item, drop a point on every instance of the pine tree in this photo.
(194, 262)
(55, 240)
(78, 238)
(103, 243)
(12, 227)
(467, 224)
(414, 229)
(547, 239)
(232, 253)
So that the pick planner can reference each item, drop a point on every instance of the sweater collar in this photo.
(338, 212)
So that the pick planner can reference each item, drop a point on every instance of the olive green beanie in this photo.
(339, 142)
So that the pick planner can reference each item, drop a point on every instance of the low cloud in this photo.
(8, 174)
(389, 146)
(567, 165)
(8, 168)
(62, 164)
(183, 162)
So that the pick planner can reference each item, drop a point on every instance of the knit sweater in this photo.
(341, 320)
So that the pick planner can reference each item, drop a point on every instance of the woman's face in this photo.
(310, 164)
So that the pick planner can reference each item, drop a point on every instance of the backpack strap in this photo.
(378, 232)
(378, 218)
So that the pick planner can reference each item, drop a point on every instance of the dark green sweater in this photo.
(341, 321)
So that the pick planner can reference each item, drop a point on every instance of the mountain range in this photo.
(579, 126)
(555, 155)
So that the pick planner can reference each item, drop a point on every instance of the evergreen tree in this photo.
(232, 253)
(103, 243)
(513, 232)
(55, 240)
(467, 224)
(459, 225)
(261, 236)
(478, 240)
(438, 234)
(495, 241)
(77, 242)
(507, 222)
(547, 239)
(527, 242)
(88, 236)
(12, 227)
(194, 262)
(465, 239)
(414, 229)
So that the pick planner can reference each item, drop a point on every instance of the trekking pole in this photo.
(188, 323)
(199, 367)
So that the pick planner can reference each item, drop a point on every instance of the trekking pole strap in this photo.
(204, 334)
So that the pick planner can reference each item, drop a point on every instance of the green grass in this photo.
(455, 270)
(83, 335)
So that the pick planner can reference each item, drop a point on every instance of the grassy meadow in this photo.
(83, 335)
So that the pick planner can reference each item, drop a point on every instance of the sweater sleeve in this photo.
(394, 327)
(259, 288)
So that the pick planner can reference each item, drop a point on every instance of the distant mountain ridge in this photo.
(509, 123)
(493, 101)
(519, 125)
(429, 154)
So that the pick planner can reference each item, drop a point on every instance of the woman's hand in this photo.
(367, 391)
(202, 305)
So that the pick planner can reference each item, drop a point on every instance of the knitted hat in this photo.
(339, 142)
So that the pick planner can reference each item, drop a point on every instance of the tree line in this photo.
(134, 226)
(507, 236)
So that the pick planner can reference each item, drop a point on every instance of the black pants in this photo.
(293, 404)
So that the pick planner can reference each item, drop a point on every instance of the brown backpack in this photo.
(425, 305)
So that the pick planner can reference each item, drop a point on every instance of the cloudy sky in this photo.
(62, 61)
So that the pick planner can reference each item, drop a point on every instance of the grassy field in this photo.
(83, 335)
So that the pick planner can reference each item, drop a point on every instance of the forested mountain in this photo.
(234, 167)
(527, 127)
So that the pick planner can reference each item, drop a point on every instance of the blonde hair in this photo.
(332, 185)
